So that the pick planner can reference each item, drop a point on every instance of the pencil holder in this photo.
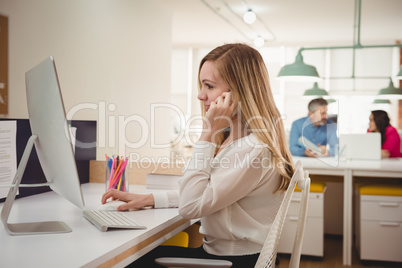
(116, 174)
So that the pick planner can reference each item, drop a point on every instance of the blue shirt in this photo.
(323, 135)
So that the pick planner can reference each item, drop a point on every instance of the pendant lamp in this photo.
(329, 101)
(299, 70)
(381, 101)
(390, 92)
(315, 91)
(399, 75)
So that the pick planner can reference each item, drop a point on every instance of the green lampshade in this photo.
(381, 101)
(329, 101)
(390, 92)
(315, 91)
(299, 70)
(399, 75)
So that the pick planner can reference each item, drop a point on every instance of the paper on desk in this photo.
(8, 154)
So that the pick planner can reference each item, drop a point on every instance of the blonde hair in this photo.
(244, 70)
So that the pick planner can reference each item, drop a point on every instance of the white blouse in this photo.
(233, 194)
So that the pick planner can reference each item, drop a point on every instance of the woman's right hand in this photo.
(133, 201)
(220, 116)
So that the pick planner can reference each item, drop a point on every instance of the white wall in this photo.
(113, 60)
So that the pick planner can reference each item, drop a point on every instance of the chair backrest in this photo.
(269, 250)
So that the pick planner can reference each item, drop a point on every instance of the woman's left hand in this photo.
(133, 201)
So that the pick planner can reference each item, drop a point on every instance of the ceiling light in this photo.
(249, 17)
(299, 70)
(399, 75)
(315, 91)
(390, 92)
(259, 41)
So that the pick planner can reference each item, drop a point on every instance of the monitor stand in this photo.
(28, 228)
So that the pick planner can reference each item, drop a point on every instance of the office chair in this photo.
(269, 250)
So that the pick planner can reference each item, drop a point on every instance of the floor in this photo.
(333, 257)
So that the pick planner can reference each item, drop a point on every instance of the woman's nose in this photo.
(202, 96)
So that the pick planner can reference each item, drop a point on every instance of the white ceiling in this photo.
(286, 22)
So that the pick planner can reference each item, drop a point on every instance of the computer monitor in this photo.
(360, 146)
(51, 138)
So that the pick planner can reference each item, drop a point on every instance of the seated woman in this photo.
(240, 168)
(390, 140)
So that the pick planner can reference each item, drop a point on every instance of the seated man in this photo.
(316, 128)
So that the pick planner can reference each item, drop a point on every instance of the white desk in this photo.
(85, 246)
(388, 168)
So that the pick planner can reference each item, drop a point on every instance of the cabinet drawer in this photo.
(387, 210)
(315, 205)
(381, 240)
(313, 241)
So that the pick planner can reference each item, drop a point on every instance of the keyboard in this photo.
(103, 220)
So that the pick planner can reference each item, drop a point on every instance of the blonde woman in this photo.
(240, 167)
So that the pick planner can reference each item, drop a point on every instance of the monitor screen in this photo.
(51, 138)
